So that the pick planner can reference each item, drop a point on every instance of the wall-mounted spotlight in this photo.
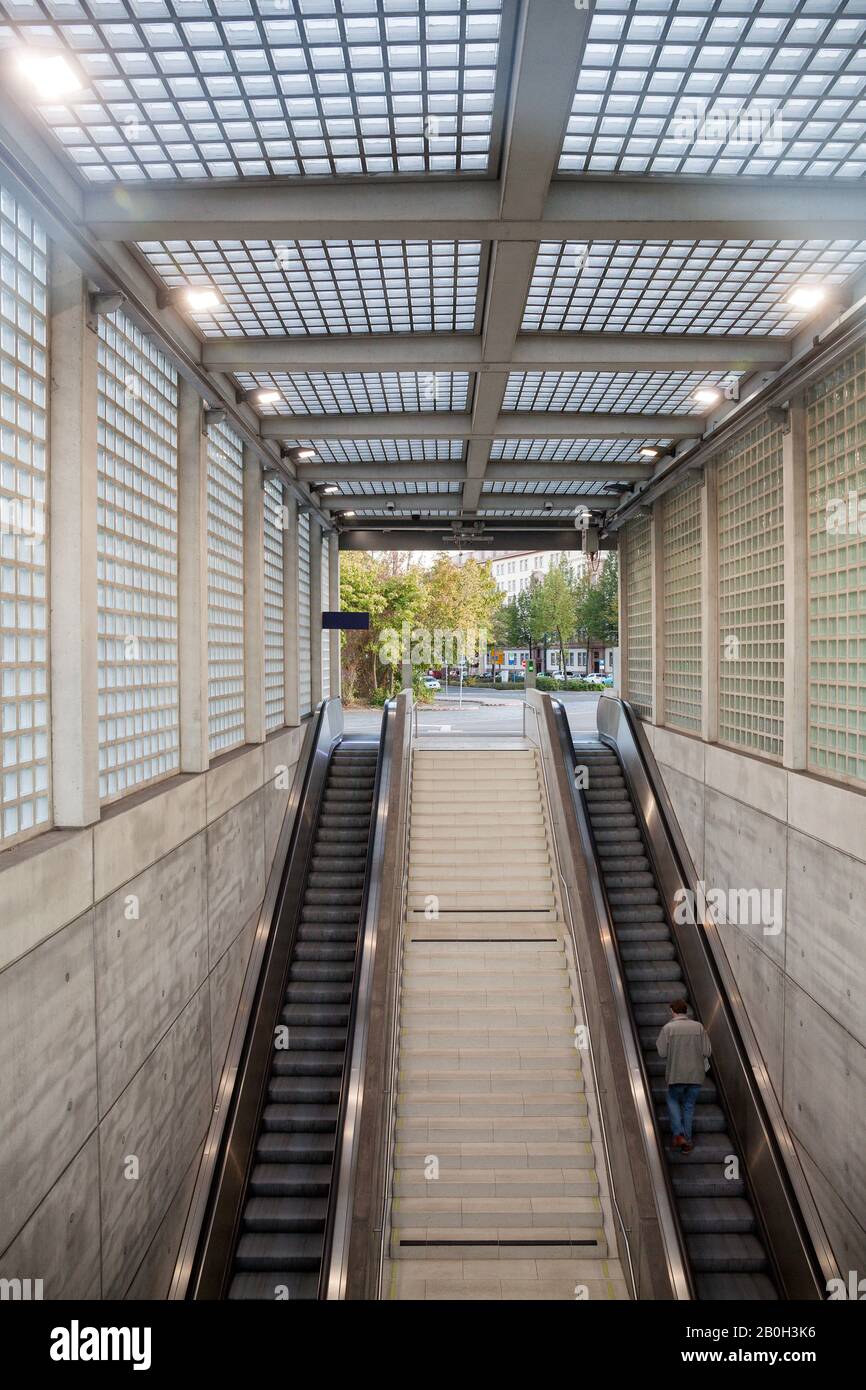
(300, 454)
(212, 416)
(259, 395)
(197, 299)
(100, 303)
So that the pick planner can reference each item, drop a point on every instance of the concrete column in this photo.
(334, 601)
(657, 572)
(290, 608)
(315, 611)
(622, 555)
(72, 548)
(795, 747)
(254, 600)
(192, 580)
(710, 607)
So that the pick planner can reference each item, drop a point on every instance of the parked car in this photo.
(431, 683)
(597, 678)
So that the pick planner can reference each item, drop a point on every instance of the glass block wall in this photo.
(325, 637)
(275, 698)
(836, 463)
(751, 599)
(638, 615)
(305, 692)
(681, 532)
(25, 795)
(225, 589)
(136, 560)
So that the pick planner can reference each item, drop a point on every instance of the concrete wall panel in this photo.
(47, 882)
(154, 1274)
(750, 780)
(762, 986)
(60, 1242)
(48, 1095)
(236, 871)
(687, 797)
(138, 831)
(825, 1081)
(226, 979)
(147, 969)
(160, 1120)
(745, 849)
(232, 780)
(826, 952)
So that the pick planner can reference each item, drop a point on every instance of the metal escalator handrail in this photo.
(338, 1223)
(590, 1045)
(270, 951)
(796, 1237)
(670, 1227)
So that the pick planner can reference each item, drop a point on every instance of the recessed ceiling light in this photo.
(267, 396)
(201, 298)
(806, 297)
(649, 453)
(707, 395)
(50, 73)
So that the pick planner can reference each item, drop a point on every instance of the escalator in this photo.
(723, 1240)
(261, 1224)
(745, 1222)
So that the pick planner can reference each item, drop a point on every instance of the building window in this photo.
(225, 589)
(136, 561)
(274, 604)
(751, 597)
(681, 526)
(638, 614)
(25, 803)
(836, 460)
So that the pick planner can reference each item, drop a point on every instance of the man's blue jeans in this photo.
(681, 1108)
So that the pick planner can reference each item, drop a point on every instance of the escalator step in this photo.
(310, 992)
(324, 951)
(654, 971)
(265, 1251)
(283, 1284)
(704, 1180)
(656, 993)
(303, 1037)
(645, 951)
(278, 1147)
(306, 971)
(726, 1254)
(315, 1015)
(646, 931)
(308, 1063)
(290, 1180)
(301, 1214)
(304, 1090)
(300, 1119)
(721, 1215)
(311, 931)
(742, 1288)
(709, 1120)
(320, 913)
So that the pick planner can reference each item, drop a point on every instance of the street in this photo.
(485, 713)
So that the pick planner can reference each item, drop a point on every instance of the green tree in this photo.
(460, 598)
(556, 606)
(597, 605)
(391, 595)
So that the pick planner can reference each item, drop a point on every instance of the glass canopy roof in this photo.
(681, 286)
(199, 89)
(653, 393)
(326, 286)
(357, 393)
(721, 87)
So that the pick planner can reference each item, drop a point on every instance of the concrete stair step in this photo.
(414, 1019)
(516, 1213)
(493, 1059)
(500, 1243)
(437, 1040)
(520, 1081)
(495, 1182)
(512, 1157)
(571, 1130)
(445, 929)
(497, 1104)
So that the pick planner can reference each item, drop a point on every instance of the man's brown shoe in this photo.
(686, 1146)
(678, 1141)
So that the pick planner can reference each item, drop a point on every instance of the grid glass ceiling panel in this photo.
(644, 392)
(756, 87)
(356, 393)
(311, 287)
(575, 450)
(200, 89)
(682, 286)
(548, 489)
(396, 489)
(383, 450)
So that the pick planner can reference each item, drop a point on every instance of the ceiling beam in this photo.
(427, 535)
(432, 424)
(490, 501)
(381, 472)
(513, 471)
(527, 471)
(552, 352)
(592, 207)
